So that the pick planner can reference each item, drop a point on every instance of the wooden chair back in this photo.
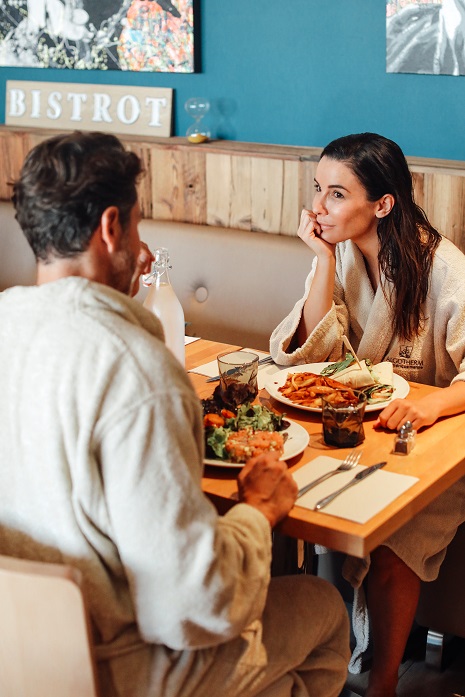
(46, 647)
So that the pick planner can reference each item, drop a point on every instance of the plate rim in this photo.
(284, 457)
(317, 410)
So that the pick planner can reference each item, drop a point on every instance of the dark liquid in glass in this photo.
(237, 393)
(343, 437)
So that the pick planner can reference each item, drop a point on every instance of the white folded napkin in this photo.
(359, 503)
(190, 339)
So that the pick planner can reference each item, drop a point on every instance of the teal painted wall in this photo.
(299, 73)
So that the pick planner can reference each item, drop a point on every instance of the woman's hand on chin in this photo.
(310, 232)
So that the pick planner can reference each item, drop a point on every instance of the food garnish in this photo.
(338, 366)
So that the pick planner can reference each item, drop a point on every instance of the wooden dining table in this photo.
(437, 460)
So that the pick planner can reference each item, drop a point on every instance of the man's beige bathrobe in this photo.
(436, 357)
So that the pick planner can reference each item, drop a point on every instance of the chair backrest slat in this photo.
(45, 641)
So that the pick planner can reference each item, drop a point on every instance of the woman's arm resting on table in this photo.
(425, 411)
(320, 298)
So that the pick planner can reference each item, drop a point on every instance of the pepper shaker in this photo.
(405, 439)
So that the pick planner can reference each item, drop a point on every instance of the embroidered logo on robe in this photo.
(405, 351)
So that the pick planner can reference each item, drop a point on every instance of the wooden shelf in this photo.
(250, 186)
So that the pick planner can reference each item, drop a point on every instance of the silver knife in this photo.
(262, 361)
(358, 478)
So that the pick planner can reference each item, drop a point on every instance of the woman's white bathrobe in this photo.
(436, 357)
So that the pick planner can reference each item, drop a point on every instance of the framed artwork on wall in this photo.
(137, 35)
(425, 36)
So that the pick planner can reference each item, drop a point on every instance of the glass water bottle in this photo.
(163, 302)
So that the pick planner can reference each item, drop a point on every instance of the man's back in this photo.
(81, 378)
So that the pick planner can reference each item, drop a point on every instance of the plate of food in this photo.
(302, 386)
(231, 437)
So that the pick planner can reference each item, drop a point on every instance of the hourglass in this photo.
(197, 107)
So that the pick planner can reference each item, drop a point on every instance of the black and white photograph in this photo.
(425, 36)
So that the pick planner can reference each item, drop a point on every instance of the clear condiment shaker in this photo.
(405, 439)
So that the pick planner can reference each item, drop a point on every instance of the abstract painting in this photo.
(425, 36)
(137, 35)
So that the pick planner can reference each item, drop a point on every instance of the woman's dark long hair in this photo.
(406, 237)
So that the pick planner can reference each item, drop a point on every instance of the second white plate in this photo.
(401, 387)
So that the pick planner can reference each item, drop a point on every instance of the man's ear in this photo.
(110, 228)
(385, 205)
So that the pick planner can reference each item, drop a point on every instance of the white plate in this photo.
(401, 387)
(296, 442)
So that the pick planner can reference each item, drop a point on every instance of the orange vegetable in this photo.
(213, 420)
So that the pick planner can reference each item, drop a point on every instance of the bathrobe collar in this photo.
(373, 342)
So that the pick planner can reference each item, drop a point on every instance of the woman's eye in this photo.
(337, 194)
(317, 187)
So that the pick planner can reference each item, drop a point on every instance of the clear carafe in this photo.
(164, 303)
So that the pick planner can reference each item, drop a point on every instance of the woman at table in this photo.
(383, 276)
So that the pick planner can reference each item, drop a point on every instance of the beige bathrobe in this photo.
(101, 450)
(437, 357)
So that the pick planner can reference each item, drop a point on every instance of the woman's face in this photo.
(341, 205)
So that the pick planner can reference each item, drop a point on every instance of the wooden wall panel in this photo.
(228, 190)
(178, 185)
(292, 197)
(445, 205)
(12, 153)
(145, 188)
(240, 193)
(308, 168)
(219, 189)
(251, 186)
(267, 194)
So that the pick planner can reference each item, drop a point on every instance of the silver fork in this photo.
(352, 459)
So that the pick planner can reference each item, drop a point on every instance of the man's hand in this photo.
(266, 484)
(143, 266)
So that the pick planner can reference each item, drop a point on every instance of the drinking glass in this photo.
(238, 372)
(343, 418)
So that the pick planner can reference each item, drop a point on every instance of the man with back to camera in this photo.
(101, 450)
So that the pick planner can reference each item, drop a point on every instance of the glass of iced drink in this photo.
(342, 415)
(238, 372)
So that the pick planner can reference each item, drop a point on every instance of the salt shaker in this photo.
(405, 439)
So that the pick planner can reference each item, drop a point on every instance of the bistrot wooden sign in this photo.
(70, 106)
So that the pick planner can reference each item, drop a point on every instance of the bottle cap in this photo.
(405, 429)
(162, 256)
(159, 265)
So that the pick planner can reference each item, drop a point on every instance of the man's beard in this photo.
(123, 268)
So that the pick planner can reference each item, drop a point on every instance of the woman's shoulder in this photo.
(448, 272)
(448, 256)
